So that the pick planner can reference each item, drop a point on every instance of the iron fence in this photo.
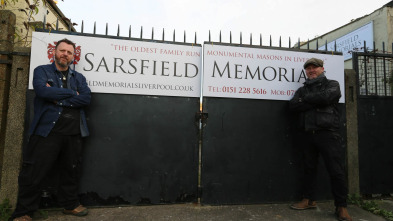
(374, 72)
(256, 42)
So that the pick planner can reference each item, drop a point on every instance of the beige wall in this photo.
(389, 28)
(35, 21)
(383, 32)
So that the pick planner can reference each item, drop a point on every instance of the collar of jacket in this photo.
(319, 79)
(70, 71)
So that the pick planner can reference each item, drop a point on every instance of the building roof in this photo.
(389, 5)
(61, 15)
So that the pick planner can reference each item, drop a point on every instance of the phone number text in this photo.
(250, 90)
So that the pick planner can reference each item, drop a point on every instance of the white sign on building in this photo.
(256, 73)
(353, 42)
(127, 66)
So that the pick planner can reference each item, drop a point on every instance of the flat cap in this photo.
(315, 61)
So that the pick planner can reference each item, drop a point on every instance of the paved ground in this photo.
(193, 212)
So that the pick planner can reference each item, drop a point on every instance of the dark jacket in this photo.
(49, 101)
(317, 103)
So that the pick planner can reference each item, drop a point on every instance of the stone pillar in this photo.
(7, 30)
(352, 131)
(15, 124)
(14, 73)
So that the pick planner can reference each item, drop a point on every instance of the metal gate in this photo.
(143, 149)
(375, 121)
(250, 152)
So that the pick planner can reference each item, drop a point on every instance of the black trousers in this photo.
(328, 145)
(39, 157)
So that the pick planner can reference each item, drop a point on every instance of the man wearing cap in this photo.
(319, 121)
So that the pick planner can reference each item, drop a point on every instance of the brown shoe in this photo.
(304, 204)
(23, 218)
(342, 214)
(78, 211)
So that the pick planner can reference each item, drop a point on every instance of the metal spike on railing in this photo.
(118, 30)
(241, 38)
(365, 48)
(374, 49)
(94, 28)
(392, 48)
(298, 43)
(83, 25)
(106, 30)
(326, 45)
(279, 44)
(57, 24)
(184, 36)
(250, 38)
(384, 68)
(308, 44)
(289, 45)
(375, 69)
(174, 34)
(129, 32)
(209, 36)
(152, 33)
(270, 40)
(317, 45)
(44, 23)
(70, 26)
(335, 46)
(141, 32)
(220, 37)
(260, 39)
(163, 34)
(230, 37)
(195, 38)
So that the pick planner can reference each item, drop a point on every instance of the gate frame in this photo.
(364, 188)
(351, 159)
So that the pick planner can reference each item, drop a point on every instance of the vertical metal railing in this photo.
(82, 31)
(384, 69)
(298, 45)
(374, 71)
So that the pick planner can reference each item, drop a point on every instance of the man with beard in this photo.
(316, 103)
(56, 133)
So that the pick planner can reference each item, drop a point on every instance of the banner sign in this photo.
(256, 73)
(353, 42)
(127, 66)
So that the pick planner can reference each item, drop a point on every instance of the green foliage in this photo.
(43, 214)
(5, 2)
(5, 210)
(370, 205)
(29, 9)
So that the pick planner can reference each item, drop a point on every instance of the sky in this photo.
(304, 19)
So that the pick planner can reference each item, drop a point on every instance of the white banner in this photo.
(126, 66)
(353, 42)
(255, 73)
